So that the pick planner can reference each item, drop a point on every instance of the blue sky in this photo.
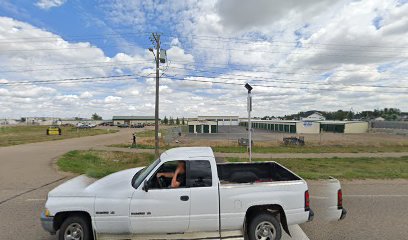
(293, 51)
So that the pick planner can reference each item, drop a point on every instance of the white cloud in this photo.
(47, 4)
(86, 95)
(113, 99)
(297, 48)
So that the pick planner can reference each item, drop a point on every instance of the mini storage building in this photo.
(308, 127)
(202, 127)
(221, 120)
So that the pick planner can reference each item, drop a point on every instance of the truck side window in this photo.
(199, 174)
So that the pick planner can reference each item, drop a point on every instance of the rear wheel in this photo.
(264, 227)
(75, 228)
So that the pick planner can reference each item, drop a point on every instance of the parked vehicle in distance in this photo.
(139, 125)
(215, 201)
(67, 125)
(296, 141)
(124, 125)
(83, 126)
(106, 124)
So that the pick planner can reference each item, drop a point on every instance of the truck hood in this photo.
(83, 186)
(73, 187)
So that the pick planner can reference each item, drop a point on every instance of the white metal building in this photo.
(221, 120)
(308, 127)
(133, 120)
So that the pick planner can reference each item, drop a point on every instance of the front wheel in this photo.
(264, 227)
(75, 228)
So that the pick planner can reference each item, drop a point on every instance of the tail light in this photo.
(307, 201)
(339, 199)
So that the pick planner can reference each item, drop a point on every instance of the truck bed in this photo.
(253, 172)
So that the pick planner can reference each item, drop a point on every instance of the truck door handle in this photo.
(184, 198)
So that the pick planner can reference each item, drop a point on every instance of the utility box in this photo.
(54, 131)
(244, 142)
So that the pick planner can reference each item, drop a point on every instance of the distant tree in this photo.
(23, 119)
(177, 121)
(96, 117)
(182, 121)
(165, 120)
(171, 121)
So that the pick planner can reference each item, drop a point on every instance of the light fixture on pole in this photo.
(249, 109)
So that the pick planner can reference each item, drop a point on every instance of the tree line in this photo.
(172, 121)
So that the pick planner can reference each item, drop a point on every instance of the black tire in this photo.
(268, 221)
(76, 221)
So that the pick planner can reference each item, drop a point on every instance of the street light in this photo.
(249, 109)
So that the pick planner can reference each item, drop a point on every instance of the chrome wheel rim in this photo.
(265, 231)
(74, 232)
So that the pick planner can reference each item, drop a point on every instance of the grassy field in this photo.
(139, 146)
(291, 149)
(101, 163)
(29, 134)
(148, 133)
(344, 168)
(314, 149)
(98, 164)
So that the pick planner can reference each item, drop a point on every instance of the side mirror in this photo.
(145, 186)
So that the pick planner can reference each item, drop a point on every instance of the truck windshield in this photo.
(142, 174)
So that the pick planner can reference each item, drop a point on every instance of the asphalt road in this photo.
(376, 209)
(27, 174)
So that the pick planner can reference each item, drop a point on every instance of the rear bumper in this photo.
(47, 223)
(343, 214)
(311, 215)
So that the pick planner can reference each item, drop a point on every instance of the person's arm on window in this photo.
(167, 175)
(174, 182)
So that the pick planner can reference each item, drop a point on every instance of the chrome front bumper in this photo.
(47, 223)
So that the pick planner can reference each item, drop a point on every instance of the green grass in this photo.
(313, 149)
(295, 149)
(15, 135)
(147, 133)
(343, 168)
(139, 146)
(98, 164)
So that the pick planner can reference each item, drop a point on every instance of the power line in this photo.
(193, 36)
(76, 67)
(131, 76)
(185, 63)
(285, 87)
(206, 48)
(267, 79)
(281, 44)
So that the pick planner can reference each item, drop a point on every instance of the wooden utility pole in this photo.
(156, 108)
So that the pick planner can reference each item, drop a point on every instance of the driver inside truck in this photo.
(178, 177)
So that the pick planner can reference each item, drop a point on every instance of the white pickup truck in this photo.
(216, 201)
